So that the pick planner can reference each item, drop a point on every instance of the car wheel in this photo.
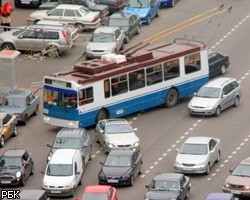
(73, 192)
(127, 40)
(15, 131)
(25, 120)
(138, 30)
(218, 157)
(52, 51)
(173, 3)
(171, 98)
(158, 13)
(102, 114)
(236, 101)
(217, 111)
(2, 142)
(208, 169)
(148, 20)
(223, 69)
(80, 182)
(8, 46)
(141, 169)
(37, 110)
(188, 194)
(132, 180)
(96, 138)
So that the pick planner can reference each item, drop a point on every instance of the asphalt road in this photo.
(161, 130)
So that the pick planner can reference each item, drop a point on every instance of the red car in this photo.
(99, 192)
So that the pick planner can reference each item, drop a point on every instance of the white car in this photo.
(197, 155)
(116, 134)
(77, 15)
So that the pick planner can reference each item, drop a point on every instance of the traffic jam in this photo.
(116, 99)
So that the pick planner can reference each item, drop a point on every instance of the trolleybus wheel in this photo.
(102, 114)
(172, 98)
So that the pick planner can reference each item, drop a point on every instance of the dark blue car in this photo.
(168, 2)
(146, 9)
(220, 196)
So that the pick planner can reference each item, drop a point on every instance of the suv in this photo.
(37, 38)
(116, 133)
(16, 165)
(33, 195)
(72, 138)
(215, 96)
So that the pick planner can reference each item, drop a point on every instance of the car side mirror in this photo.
(101, 163)
(20, 37)
(42, 172)
(224, 96)
(147, 186)
(231, 171)
(178, 150)
(77, 173)
(49, 145)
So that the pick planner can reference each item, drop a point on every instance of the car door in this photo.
(8, 126)
(136, 162)
(212, 152)
(153, 8)
(26, 40)
(56, 15)
(183, 187)
(100, 132)
(27, 164)
(212, 65)
(86, 147)
(132, 25)
(70, 16)
(227, 96)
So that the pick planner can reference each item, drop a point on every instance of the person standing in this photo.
(5, 21)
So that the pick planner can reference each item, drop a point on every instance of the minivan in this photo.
(63, 173)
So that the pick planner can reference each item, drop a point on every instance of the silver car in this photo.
(116, 133)
(197, 155)
(37, 38)
(215, 96)
(105, 40)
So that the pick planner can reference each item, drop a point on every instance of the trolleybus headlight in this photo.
(46, 119)
(71, 123)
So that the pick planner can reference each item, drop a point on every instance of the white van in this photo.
(63, 173)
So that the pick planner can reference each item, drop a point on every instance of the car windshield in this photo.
(118, 128)
(138, 4)
(116, 22)
(242, 170)
(10, 162)
(90, 3)
(102, 37)
(165, 185)
(15, 101)
(194, 149)
(60, 170)
(209, 92)
(118, 161)
(67, 143)
(95, 196)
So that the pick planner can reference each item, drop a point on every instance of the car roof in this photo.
(168, 176)
(121, 15)
(18, 93)
(121, 152)
(63, 156)
(31, 194)
(70, 6)
(219, 82)
(106, 29)
(14, 153)
(70, 133)
(219, 196)
(97, 189)
(198, 140)
(245, 161)
(47, 27)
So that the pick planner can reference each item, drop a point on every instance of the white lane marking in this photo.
(217, 170)
(178, 141)
(146, 172)
(93, 156)
(155, 163)
(97, 152)
(222, 165)
(243, 77)
(242, 144)
(173, 146)
(160, 158)
(234, 152)
(182, 137)
(142, 176)
(199, 120)
(186, 133)
(246, 140)
(213, 174)
(169, 150)
(164, 154)
(229, 157)
(151, 167)
(209, 179)
(195, 125)
(190, 129)
(238, 148)
(135, 118)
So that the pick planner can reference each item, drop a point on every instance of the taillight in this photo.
(65, 36)
(118, 3)
(94, 20)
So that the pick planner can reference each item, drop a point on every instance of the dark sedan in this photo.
(129, 23)
(169, 186)
(16, 165)
(114, 5)
(218, 63)
(121, 167)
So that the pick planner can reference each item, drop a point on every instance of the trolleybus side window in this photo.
(86, 96)
(192, 63)
(107, 88)
(119, 85)
(137, 79)
(171, 69)
(154, 74)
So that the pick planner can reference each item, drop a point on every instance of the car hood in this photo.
(57, 180)
(190, 159)
(115, 171)
(203, 102)
(238, 180)
(8, 35)
(12, 109)
(122, 139)
(101, 46)
(38, 14)
(9, 171)
(138, 11)
(99, 7)
(162, 195)
(48, 5)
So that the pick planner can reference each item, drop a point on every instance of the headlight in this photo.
(88, 49)
(102, 175)
(177, 163)
(45, 185)
(67, 185)
(247, 187)
(137, 144)
(227, 185)
(203, 163)
(71, 123)
(46, 119)
(144, 15)
(18, 174)
(126, 176)
(111, 145)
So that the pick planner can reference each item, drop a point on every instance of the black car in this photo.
(121, 167)
(16, 165)
(129, 23)
(72, 138)
(114, 5)
(169, 186)
(91, 5)
(27, 3)
(218, 63)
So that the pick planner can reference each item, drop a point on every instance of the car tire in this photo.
(52, 51)
(148, 20)
(141, 168)
(158, 13)
(8, 46)
(188, 194)
(218, 157)
(208, 169)
(223, 69)
(102, 114)
(236, 101)
(36, 111)
(25, 120)
(15, 132)
(90, 153)
(217, 111)
(171, 98)
(2, 142)
(32, 170)
(132, 180)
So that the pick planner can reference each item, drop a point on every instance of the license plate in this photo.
(235, 192)
(113, 181)
(5, 182)
(56, 192)
(25, 2)
(187, 169)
